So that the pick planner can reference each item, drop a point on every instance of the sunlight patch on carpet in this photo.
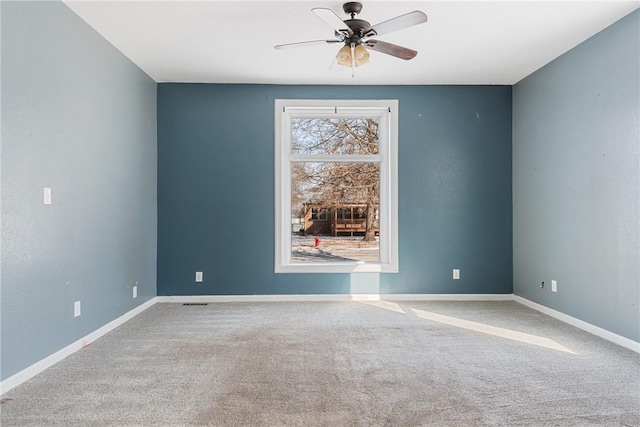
(491, 330)
(386, 305)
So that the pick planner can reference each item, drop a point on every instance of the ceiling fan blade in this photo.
(399, 22)
(307, 43)
(391, 49)
(330, 17)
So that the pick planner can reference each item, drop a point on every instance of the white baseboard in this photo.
(447, 297)
(268, 298)
(33, 370)
(581, 324)
(195, 299)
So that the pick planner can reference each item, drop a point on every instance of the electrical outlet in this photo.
(199, 276)
(456, 273)
(135, 292)
(76, 309)
(554, 286)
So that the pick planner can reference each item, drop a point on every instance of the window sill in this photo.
(343, 267)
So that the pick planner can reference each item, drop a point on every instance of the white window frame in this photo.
(387, 110)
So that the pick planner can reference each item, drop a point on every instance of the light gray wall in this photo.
(78, 117)
(576, 181)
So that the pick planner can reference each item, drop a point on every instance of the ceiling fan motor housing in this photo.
(360, 27)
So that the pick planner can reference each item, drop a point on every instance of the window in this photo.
(340, 157)
(344, 213)
(318, 214)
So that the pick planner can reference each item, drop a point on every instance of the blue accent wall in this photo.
(216, 189)
(576, 181)
(80, 118)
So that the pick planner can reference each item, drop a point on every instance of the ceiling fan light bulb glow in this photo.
(361, 54)
(344, 56)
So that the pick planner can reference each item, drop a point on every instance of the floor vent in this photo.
(195, 303)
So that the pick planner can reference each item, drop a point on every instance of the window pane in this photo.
(334, 208)
(334, 136)
(345, 149)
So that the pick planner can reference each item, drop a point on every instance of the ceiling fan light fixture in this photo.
(360, 54)
(344, 56)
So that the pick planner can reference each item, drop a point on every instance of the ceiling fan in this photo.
(356, 35)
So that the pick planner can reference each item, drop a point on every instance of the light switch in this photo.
(47, 195)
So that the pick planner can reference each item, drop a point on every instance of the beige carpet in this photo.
(319, 364)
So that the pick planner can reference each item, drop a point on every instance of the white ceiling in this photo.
(463, 42)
